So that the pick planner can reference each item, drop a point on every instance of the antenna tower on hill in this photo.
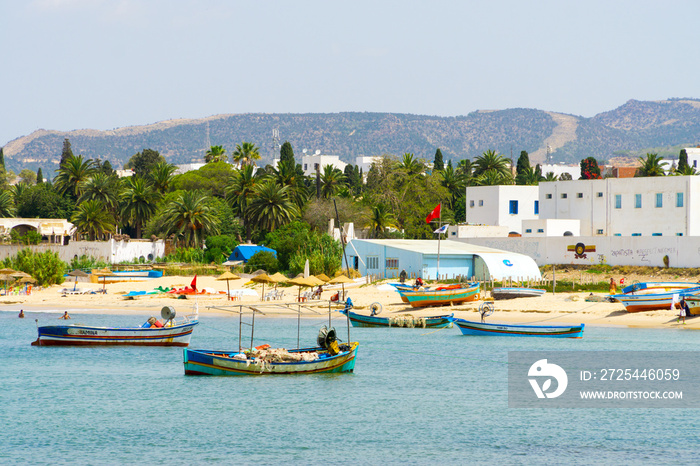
(275, 143)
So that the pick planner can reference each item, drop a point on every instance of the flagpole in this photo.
(439, 237)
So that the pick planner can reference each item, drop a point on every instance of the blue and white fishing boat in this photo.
(408, 321)
(171, 334)
(519, 330)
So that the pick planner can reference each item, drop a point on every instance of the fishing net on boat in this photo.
(263, 358)
(406, 320)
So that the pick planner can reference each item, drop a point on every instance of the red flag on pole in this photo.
(193, 285)
(434, 214)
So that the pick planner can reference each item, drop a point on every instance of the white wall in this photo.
(559, 169)
(683, 251)
(490, 205)
(551, 227)
(110, 251)
(476, 231)
(308, 163)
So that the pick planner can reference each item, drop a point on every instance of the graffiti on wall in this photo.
(580, 250)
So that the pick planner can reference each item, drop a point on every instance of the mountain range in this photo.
(627, 131)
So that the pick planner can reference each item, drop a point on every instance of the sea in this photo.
(417, 396)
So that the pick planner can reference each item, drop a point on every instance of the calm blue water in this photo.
(413, 398)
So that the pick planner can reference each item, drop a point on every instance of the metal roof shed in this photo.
(419, 257)
(243, 252)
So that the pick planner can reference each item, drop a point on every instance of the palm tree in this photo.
(331, 180)
(215, 154)
(271, 206)
(529, 177)
(161, 175)
(652, 165)
(239, 192)
(18, 190)
(490, 160)
(686, 170)
(102, 188)
(411, 165)
(139, 201)
(379, 219)
(286, 174)
(246, 153)
(454, 181)
(7, 205)
(190, 217)
(493, 178)
(92, 219)
(72, 172)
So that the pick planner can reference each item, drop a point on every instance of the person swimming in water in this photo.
(21, 314)
(65, 316)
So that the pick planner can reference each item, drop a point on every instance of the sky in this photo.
(105, 64)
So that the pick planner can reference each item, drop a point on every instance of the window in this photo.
(481, 202)
(471, 203)
(548, 196)
(600, 194)
(537, 207)
(373, 262)
(513, 207)
(392, 263)
(304, 167)
(618, 201)
(453, 233)
(679, 199)
(579, 195)
(617, 234)
(656, 234)
(317, 166)
(637, 201)
(528, 230)
(564, 195)
(636, 234)
(540, 230)
(659, 200)
(599, 232)
(695, 164)
(679, 234)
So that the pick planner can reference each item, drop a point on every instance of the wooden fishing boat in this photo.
(519, 330)
(441, 296)
(514, 292)
(172, 334)
(315, 360)
(658, 287)
(359, 320)
(693, 304)
(651, 301)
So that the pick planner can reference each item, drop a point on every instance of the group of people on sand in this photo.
(417, 284)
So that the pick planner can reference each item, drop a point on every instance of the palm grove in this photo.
(223, 204)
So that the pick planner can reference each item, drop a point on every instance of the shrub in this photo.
(189, 255)
(87, 262)
(45, 267)
(219, 248)
(262, 260)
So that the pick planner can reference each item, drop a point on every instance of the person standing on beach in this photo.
(613, 286)
(685, 310)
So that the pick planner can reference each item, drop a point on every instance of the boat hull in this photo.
(512, 293)
(444, 297)
(206, 362)
(79, 335)
(359, 320)
(513, 330)
(658, 287)
(651, 301)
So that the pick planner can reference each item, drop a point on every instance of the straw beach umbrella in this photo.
(342, 279)
(262, 278)
(228, 276)
(104, 273)
(77, 273)
(323, 277)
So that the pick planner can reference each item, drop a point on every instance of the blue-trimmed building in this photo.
(243, 252)
(387, 258)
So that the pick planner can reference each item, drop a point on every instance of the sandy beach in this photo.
(561, 307)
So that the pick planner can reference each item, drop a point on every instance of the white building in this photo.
(311, 163)
(643, 206)
(502, 205)
(365, 162)
(693, 157)
(559, 169)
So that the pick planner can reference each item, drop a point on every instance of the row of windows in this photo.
(653, 234)
(566, 195)
(373, 262)
(659, 200)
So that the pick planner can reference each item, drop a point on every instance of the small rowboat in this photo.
(658, 287)
(520, 330)
(441, 296)
(301, 361)
(359, 320)
(652, 301)
(176, 334)
(512, 293)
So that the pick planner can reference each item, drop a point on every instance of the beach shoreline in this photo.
(558, 308)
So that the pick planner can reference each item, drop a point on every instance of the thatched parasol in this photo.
(106, 272)
(342, 279)
(77, 273)
(323, 277)
(27, 280)
(262, 278)
(228, 276)
(300, 282)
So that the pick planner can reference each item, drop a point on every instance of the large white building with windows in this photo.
(502, 206)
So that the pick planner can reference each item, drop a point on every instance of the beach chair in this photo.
(269, 296)
(279, 294)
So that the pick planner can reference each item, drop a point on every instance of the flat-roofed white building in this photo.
(311, 163)
(642, 206)
(552, 227)
(560, 168)
(502, 205)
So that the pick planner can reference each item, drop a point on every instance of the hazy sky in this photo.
(71, 64)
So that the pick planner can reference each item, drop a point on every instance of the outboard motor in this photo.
(327, 339)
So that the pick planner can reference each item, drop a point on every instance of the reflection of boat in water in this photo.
(172, 334)
(519, 330)
(514, 292)
(441, 296)
(359, 320)
(328, 356)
